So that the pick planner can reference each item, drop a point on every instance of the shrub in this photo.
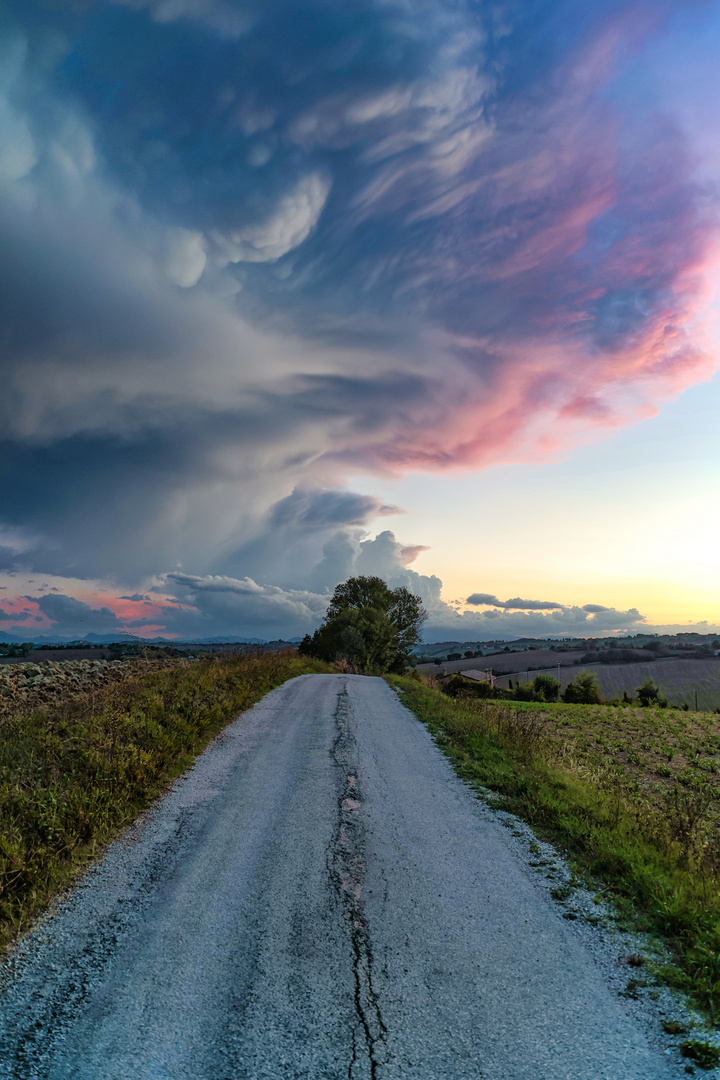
(547, 686)
(649, 694)
(584, 689)
(527, 692)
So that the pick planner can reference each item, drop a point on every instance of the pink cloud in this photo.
(606, 251)
(24, 613)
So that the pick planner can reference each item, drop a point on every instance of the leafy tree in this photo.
(369, 625)
(584, 689)
(548, 686)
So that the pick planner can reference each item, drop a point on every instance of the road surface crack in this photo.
(346, 867)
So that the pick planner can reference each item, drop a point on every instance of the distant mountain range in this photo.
(107, 639)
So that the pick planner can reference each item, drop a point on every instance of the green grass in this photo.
(705, 1054)
(75, 773)
(565, 770)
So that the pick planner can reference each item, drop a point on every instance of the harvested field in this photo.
(41, 656)
(545, 659)
(678, 679)
(27, 686)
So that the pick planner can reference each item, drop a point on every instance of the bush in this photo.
(547, 686)
(526, 692)
(584, 689)
(649, 694)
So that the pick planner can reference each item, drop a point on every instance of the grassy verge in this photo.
(75, 772)
(656, 847)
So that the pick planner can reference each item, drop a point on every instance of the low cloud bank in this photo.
(189, 606)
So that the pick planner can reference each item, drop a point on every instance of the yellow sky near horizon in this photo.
(632, 520)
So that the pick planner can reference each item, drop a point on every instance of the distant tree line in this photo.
(584, 689)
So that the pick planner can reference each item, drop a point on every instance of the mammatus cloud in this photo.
(249, 248)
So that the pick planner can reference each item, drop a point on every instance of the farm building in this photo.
(472, 675)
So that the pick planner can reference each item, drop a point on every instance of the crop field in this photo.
(678, 679)
(646, 753)
(650, 753)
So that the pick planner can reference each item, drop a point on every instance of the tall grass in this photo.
(76, 772)
(658, 857)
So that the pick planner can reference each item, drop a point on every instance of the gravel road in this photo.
(319, 897)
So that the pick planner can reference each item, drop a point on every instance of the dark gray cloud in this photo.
(249, 247)
(538, 618)
(566, 620)
(517, 604)
(13, 616)
(479, 599)
(76, 618)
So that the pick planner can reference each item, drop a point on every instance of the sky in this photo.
(294, 290)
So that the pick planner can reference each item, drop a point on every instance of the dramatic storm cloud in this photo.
(251, 249)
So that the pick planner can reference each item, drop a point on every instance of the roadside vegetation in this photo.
(631, 792)
(78, 763)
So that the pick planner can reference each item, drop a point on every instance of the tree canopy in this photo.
(368, 624)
